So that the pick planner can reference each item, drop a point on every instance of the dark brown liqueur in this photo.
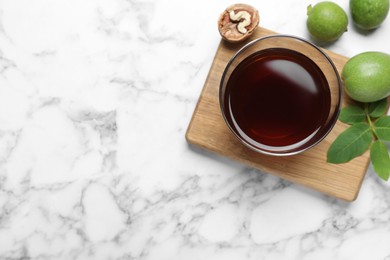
(278, 98)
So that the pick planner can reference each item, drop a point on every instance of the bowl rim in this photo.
(334, 117)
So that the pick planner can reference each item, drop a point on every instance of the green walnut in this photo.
(368, 14)
(326, 21)
(366, 76)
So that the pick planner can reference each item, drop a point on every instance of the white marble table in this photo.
(95, 99)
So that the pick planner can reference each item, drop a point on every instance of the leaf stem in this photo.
(370, 121)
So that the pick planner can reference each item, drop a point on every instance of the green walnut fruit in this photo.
(368, 14)
(366, 76)
(326, 21)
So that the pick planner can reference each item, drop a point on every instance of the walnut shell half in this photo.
(228, 28)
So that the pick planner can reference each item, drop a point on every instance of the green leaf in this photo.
(380, 159)
(351, 143)
(378, 108)
(382, 128)
(352, 114)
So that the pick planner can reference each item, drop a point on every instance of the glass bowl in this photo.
(280, 95)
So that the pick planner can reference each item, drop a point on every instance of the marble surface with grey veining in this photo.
(95, 99)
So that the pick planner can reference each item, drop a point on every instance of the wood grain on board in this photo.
(208, 130)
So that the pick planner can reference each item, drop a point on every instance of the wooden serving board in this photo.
(208, 130)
